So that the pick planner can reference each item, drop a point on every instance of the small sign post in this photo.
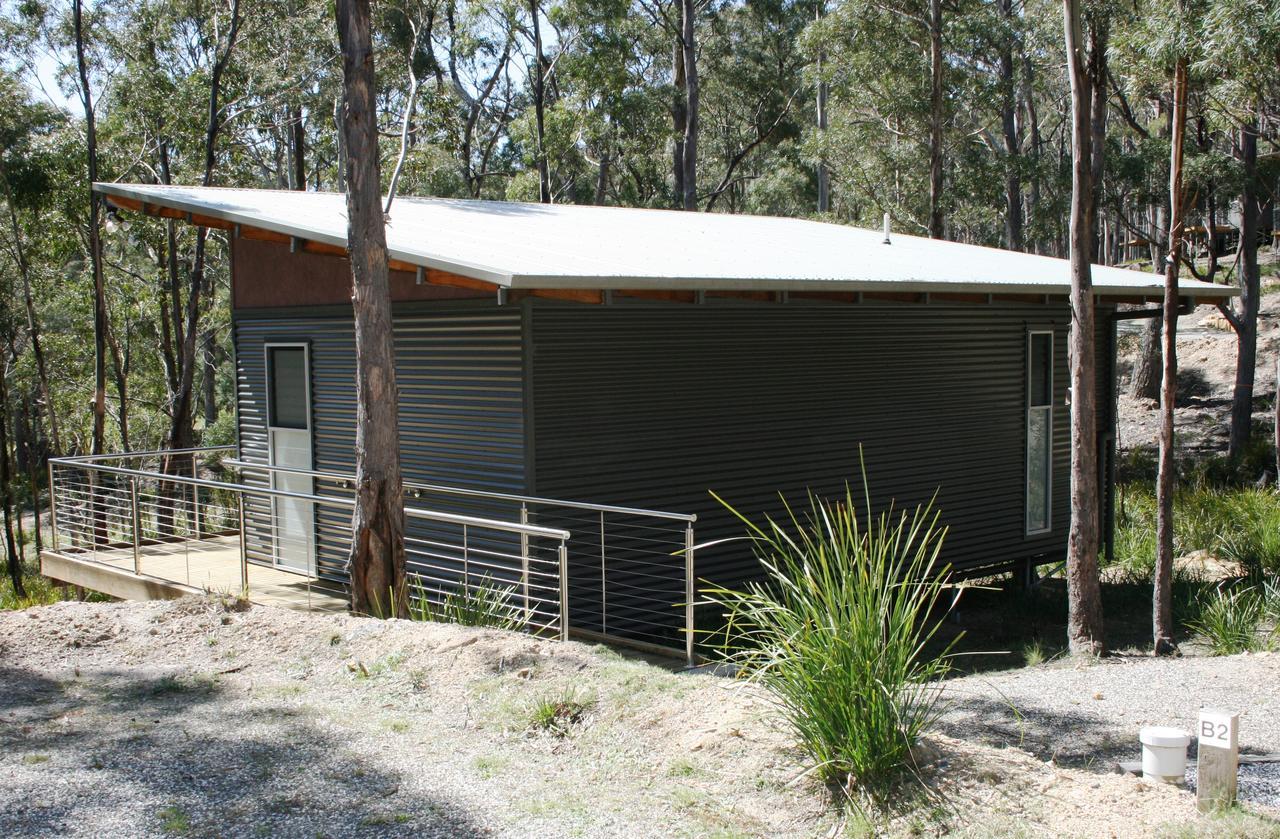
(1218, 759)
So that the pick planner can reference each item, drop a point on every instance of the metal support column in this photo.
(136, 524)
(564, 591)
(53, 509)
(524, 561)
(688, 594)
(195, 494)
(604, 583)
(244, 549)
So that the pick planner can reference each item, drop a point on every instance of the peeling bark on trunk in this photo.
(1084, 610)
(1162, 608)
(376, 562)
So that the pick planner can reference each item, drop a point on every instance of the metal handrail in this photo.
(477, 493)
(81, 459)
(323, 500)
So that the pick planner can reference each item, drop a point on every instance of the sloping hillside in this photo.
(194, 718)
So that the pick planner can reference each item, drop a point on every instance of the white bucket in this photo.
(1164, 754)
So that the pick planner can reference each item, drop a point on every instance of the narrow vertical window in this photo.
(1039, 431)
(287, 379)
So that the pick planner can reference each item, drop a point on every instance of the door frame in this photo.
(268, 379)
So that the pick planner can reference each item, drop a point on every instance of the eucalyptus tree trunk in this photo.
(824, 173)
(1146, 370)
(377, 546)
(540, 104)
(33, 321)
(298, 142)
(1245, 321)
(1009, 129)
(95, 243)
(1084, 590)
(679, 107)
(1098, 105)
(689, 48)
(181, 426)
(6, 487)
(1162, 609)
(936, 114)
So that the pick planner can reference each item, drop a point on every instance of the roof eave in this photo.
(466, 269)
(650, 283)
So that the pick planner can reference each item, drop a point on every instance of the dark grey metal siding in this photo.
(461, 415)
(658, 406)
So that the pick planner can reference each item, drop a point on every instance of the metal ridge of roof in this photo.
(561, 246)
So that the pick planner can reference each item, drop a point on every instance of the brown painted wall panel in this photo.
(268, 275)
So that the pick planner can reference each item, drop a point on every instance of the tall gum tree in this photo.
(377, 545)
(1084, 602)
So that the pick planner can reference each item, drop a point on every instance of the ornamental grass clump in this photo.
(839, 634)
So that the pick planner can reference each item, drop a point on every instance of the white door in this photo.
(289, 444)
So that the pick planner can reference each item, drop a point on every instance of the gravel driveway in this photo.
(191, 718)
(1089, 714)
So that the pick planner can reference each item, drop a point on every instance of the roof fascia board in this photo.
(466, 269)
(618, 283)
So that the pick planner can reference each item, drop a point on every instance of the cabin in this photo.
(593, 378)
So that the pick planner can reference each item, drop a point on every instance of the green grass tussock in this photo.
(837, 633)
(487, 604)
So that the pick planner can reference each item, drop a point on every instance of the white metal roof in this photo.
(519, 245)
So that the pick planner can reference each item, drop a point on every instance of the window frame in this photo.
(269, 380)
(1028, 411)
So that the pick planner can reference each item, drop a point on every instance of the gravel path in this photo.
(184, 718)
(1088, 715)
(190, 718)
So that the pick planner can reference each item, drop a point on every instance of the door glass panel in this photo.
(295, 517)
(1039, 431)
(1038, 453)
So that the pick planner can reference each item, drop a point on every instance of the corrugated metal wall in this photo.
(658, 406)
(461, 411)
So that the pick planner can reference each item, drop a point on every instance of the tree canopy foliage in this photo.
(951, 116)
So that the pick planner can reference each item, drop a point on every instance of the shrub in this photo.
(559, 714)
(1250, 534)
(486, 604)
(837, 632)
(1231, 621)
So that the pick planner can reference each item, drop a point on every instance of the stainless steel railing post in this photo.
(604, 583)
(564, 590)
(195, 494)
(688, 593)
(524, 561)
(244, 548)
(466, 564)
(136, 521)
(53, 509)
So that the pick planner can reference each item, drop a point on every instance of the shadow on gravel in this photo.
(1069, 739)
(110, 753)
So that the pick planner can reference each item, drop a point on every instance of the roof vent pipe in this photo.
(886, 229)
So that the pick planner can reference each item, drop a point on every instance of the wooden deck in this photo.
(173, 569)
